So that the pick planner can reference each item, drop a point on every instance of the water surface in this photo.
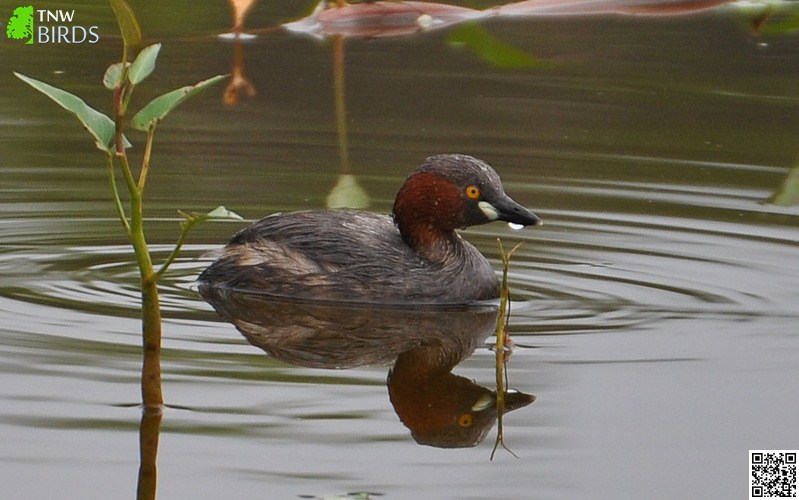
(656, 310)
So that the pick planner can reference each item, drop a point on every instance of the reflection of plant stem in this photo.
(502, 355)
(149, 430)
(240, 10)
(341, 102)
(238, 81)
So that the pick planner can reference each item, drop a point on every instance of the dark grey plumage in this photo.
(350, 256)
(415, 257)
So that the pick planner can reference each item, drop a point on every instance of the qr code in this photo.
(772, 474)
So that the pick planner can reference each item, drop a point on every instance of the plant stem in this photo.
(145, 164)
(152, 395)
(499, 350)
(501, 368)
(184, 233)
(151, 307)
(128, 175)
(119, 118)
(117, 201)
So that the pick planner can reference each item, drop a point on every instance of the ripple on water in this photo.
(99, 279)
(693, 252)
(683, 251)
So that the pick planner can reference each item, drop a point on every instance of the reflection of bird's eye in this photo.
(465, 420)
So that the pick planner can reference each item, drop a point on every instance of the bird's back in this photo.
(346, 256)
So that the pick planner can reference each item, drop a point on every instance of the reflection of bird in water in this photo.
(318, 335)
(416, 257)
(440, 408)
(385, 18)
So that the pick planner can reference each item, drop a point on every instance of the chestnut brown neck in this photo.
(427, 211)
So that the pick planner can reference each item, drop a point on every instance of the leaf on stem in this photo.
(158, 108)
(144, 64)
(99, 125)
(128, 25)
(192, 219)
(112, 79)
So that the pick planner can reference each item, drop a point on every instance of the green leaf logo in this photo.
(20, 25)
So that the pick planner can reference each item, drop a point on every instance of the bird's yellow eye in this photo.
(465, 420)
(473, 192)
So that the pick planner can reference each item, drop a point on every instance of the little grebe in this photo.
(414, 257)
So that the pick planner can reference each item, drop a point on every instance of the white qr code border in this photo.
(780, 464)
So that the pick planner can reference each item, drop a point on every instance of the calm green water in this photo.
(657, 308)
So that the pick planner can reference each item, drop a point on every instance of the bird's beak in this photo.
(505, 209)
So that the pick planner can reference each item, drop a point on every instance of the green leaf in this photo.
(491, 50)
(99, 125)
(113, 76)
(144, 64)
(128, 25)
(158, 108)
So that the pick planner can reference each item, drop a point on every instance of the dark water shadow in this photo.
(440, 408)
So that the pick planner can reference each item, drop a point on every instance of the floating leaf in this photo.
(113, 76)
(788, 193)
(159, 107)
(128, 25)
(219, 213)
(347, 194)
(98, 124)
(144, 64)
(491, 50)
